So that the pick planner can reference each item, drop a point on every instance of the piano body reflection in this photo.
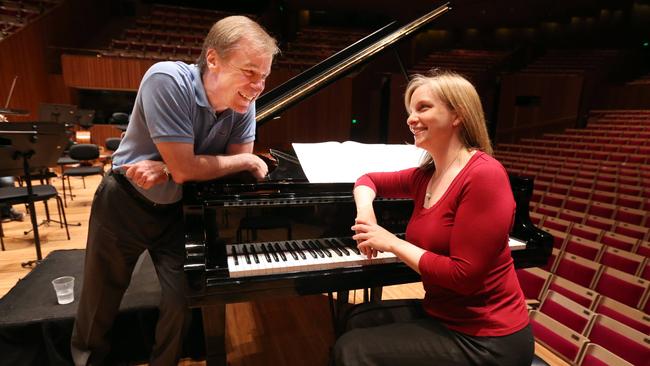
(285, 236)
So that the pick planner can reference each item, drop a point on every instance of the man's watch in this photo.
(167, 172)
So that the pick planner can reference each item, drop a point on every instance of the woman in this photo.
(473, 312)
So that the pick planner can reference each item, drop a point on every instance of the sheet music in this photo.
(344, 162)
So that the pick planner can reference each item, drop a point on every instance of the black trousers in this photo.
(122, 225)
(399, 332)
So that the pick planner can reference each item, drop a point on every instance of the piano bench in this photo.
(254, 223)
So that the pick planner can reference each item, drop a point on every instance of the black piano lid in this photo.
(275, 101)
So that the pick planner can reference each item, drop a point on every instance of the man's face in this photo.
(238, 79)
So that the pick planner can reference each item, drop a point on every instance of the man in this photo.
(189, 123)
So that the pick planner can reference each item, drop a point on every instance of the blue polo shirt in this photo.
(172, 106)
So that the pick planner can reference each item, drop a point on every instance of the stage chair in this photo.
(627, 343)
(582, 295)
(595, 355)
(533, 282)
(627, 315)
(41, 193)
(84, 153)
(581, 271)
(566, 311)
(584, 248)
(621, 286)
(560, 339)
(586, 232)
(633, 231)
(622, 260)
(619, 241)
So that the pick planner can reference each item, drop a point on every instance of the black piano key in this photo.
(266, 253)
(341, 247)
(272, 251)
(308, 248)
(333, 247)
(248, 258)
(254, 254)
(295, 247)
(351, 243)
(234, 255)
(322, 248)
(281, 252)
(315, 248)
(291, 251)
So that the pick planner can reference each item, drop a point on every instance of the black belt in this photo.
(137, 196)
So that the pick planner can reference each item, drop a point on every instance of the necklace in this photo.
(428, 194)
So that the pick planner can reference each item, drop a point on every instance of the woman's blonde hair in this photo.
(225, 34)
(460, 96)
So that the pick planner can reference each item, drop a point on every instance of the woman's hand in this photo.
(372, 238)
(146, 173)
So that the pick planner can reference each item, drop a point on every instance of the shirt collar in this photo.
(199, 89)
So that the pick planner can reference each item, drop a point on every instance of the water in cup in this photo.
(64, 288)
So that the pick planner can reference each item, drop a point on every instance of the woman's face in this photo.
(431, 121)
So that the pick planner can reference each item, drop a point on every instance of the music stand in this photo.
(30, 145)
(59, 113)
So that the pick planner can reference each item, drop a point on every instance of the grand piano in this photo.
(284, 236)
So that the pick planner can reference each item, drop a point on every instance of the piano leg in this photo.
(214, 333)
(375, 294)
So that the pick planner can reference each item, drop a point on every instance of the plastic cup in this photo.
(64, 287)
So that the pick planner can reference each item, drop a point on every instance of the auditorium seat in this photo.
(576, 204)
(536, 218)
(643, 249)
(582, 295)
(552, 260)
(623, 287)
(577, 269)
(566, 311)
(630, 230)
(557, 224)
(601, 209)
(618, 241)
(584, 248)
(599, 222)
(560, 339)
(559, 237)
(573, 216)
(596, 355)
(622, 260)
(586, 232)
(627, 343)
(533, 282)
(629, 215)
(627, 315)
(547, 210)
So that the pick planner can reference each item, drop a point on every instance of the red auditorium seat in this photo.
(533, 282)
(566, 311)
(557, 224)
(582, 295)
(630, 215)
(584, 248)
(618, 241)
(605, 210)
(559, 237)
(633, 231)
(623, 287)
(627, 315)
(577, 269)
(562, 340)
(643, 248)
(576, 204)
(585, 231)
(599, 222)
(645, 271)
(627, 343)
(622, 260)
(573, 216)
(595, 355)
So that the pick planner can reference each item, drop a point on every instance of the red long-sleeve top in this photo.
(467, 270)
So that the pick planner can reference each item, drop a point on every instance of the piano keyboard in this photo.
(305, 255)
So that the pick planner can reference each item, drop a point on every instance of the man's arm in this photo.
(185, 166)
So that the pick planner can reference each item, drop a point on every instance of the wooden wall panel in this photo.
(103, 73)
(99, 134)
(623, 97)
(559, 102)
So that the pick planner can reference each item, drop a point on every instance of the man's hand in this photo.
(256, 166)
(146, 173)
